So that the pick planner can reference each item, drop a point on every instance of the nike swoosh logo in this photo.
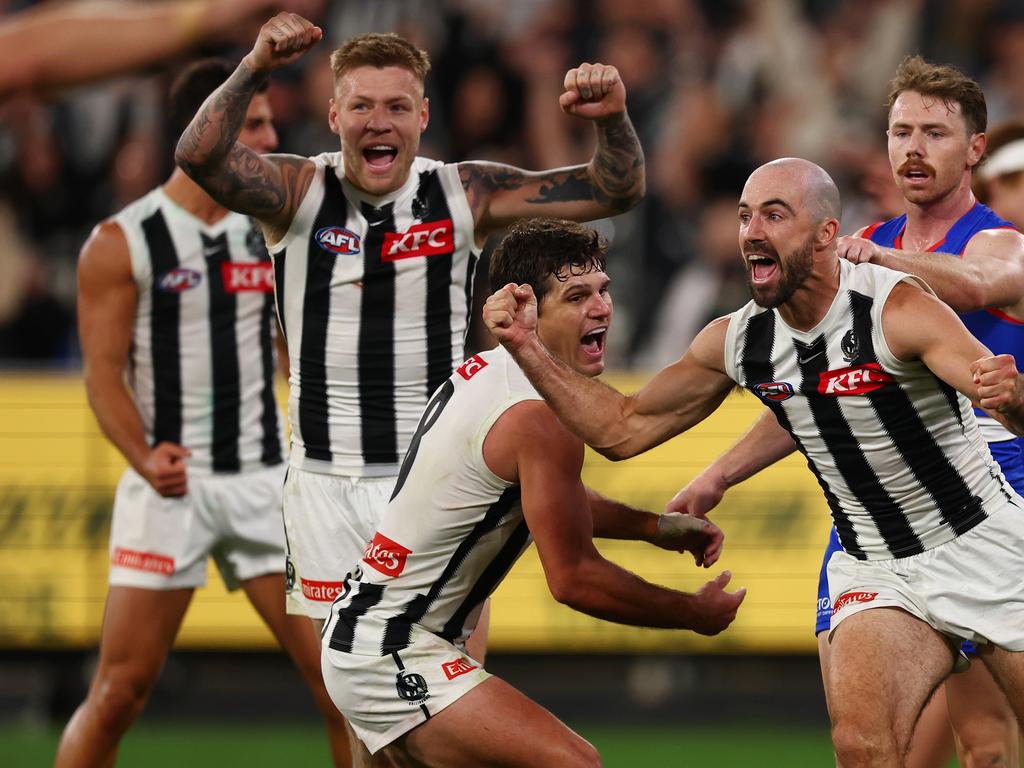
(805, 360)
(214, 251)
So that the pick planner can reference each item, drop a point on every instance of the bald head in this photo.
(802, 184)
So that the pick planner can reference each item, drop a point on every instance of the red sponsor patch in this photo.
(858, 380)
(239, 277)
(322, 591)
(471, 367)
(847, 598)
(453, 669)
(427, 239)
(143, 561)
(384, 555)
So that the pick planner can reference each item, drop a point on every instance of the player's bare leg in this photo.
(931, 744)
(884, 666)
(300, 640)
(139, 627)
(1007, 668)
(985, 727)
(485, 728)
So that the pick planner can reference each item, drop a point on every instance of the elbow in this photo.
(183, 158)
(971, 298)
(565, 587)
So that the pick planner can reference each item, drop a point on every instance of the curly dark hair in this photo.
(533, 249)
(943, 82)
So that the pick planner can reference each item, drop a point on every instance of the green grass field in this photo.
(166, 745)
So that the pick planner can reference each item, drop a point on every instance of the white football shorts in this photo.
(383, 697)
(164, 543)
(969, 588)
(328, 519)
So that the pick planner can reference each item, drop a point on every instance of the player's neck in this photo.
(929, 223)
(190, 196)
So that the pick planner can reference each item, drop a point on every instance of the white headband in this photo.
(1007, 159)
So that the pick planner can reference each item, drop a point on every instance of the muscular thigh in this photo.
(883, 666)
(486, 727)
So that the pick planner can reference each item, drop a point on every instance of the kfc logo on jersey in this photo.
(776, 391)
(858, 380)
(178, 280)
(384, 555)
(847, 598)
(427, 239)
(453, 669)
(239, 278)
(471, 367)
(337, 240)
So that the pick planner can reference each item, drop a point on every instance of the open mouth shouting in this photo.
(380, 157)
(763, 265)
(593, 342)
(915, 173)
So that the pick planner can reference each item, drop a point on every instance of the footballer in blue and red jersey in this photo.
(996, 330)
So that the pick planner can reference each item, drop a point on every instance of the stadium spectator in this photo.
(490, 468)
(907, 500)
(174, 297)
(374, 326)
(56, 45)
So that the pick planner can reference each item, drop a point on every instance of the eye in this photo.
(744, 218)
(774, 216)
(935, 134)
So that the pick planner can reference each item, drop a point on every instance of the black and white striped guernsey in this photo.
(453, 528)
(374, 295)
(203, 358)
(896, 450)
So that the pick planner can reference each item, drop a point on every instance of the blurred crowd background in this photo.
(715, 88)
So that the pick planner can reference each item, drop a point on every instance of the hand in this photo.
(593, 91)
(164, 469)
(510, 314)
(699, 496)
(998, 383)
(715, 608)
(685, 533)
(282, 40)
(859, 250)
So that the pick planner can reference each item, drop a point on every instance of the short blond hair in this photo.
(376, 49)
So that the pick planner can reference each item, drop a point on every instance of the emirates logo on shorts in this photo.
(384, 555)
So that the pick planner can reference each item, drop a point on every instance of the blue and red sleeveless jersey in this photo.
(996, 330)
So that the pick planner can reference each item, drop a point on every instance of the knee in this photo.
(118, 697)
(856, 745)
(991, 740)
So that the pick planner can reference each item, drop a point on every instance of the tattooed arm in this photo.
(267, 187)
(611, 183)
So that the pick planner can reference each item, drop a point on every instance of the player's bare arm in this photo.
(107, 298)
(611, 183)
(671, 531)
(268, 187)
(919, 325)
(617, 426)
(990, 273)
(547, 460)
(765, 443)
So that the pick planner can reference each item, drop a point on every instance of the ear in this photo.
(976, 149)
(424, 114)
(828, 230)
(332, 117)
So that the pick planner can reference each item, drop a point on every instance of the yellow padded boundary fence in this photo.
(58, 473)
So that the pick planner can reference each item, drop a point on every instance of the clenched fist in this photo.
(593, 91)
(510, 314)
(282, 40)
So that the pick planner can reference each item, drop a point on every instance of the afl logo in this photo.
(775, 391)
(178, 280)
(337, 240)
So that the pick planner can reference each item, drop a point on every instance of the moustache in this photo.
(759, 246)
(916, 165)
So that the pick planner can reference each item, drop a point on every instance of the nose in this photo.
(270, 139)
(378, 120)
(753, 229)
(599, 306)
(915, 144)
